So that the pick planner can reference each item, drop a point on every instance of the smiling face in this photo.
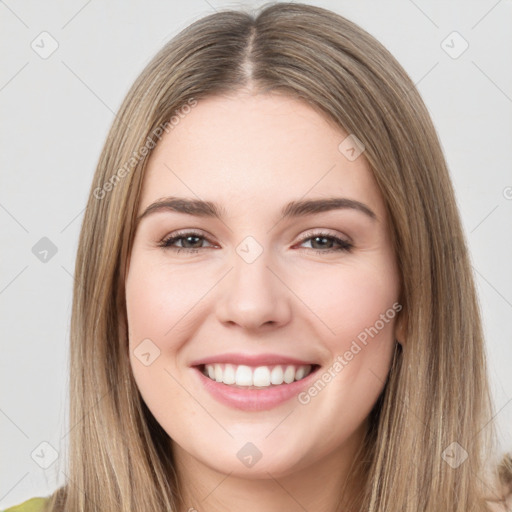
(251, 283)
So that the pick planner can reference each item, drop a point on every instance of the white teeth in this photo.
(299, 374)
(289, 374)
(261, 376)
(276, 375)
(243, 375)
(228, 375)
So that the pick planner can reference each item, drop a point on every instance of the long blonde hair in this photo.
(437, 390)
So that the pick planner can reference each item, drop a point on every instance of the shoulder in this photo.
(31, 505)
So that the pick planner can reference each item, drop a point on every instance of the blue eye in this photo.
(191, 242)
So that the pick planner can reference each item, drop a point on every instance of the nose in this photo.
(253, 295)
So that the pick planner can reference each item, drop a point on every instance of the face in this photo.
(260, 335)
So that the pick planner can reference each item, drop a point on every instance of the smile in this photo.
(249, 377)
(275, 384)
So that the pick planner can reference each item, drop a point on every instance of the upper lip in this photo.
(250, 360)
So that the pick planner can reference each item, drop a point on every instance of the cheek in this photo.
(352, 300)
(359, 306)
(158, 299)
(157, 304)
(153, 308)
(164, 305)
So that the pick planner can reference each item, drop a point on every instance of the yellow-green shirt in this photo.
(31, 505)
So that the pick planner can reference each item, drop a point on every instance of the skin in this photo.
(252, 154)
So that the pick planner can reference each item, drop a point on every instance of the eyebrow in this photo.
(299, 208)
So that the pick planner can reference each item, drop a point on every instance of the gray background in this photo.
(55, 115)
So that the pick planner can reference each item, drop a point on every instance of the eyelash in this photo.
(344, 245)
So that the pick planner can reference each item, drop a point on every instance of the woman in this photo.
(273, 302)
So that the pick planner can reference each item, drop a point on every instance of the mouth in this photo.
(255, 388)
(256, 377)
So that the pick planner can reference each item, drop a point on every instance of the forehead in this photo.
(256, 151)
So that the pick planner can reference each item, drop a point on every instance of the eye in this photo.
(191, 242)
(323, 242)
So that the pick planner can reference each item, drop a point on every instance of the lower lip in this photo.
(254, 399)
